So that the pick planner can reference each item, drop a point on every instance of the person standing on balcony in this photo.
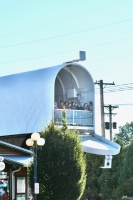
(86, 106)
(79, 107)
(90, 107)
(69, 106)
(73, 106)
(61, 105)
(65, 105)
(55, 105)
(76, 105)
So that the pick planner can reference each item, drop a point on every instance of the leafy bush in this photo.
(61, 165)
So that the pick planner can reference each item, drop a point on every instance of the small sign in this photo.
(2, 166)
(36, 188)
(3, 176)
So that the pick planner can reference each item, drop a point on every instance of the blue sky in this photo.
(39, 34)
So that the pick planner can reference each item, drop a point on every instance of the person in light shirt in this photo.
(55, 105)
(69, 106)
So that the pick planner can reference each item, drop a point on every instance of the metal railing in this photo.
(74, 117)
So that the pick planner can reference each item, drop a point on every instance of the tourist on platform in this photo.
(65, 105)
(85, 106)
(73, 106)
(69, 106)
(76, 105)
(79, 107)
(55, 105)
(61, 105)
(90, 107)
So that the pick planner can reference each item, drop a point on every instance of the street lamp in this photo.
(34, 142)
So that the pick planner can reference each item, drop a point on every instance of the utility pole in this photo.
(100, 83)
(110, 108)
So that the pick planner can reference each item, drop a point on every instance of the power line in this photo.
(125, 84)
(118, 88)
(37, 57)
(108, 43)
(50, 23)
(104, 59)
(66, 34)
(125, 104)
(63, 52)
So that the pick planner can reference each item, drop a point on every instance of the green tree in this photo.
(109, 178)
(125, 133)
(126, 175)
(61, 165)
(92, 189)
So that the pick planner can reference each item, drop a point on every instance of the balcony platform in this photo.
(96, 144)
(78, 119)
(81, 128)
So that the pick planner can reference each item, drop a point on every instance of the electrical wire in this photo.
(39, 57)
(104, 59)
(121, 87)
(50, 23)
(118, 88)
(67, 34)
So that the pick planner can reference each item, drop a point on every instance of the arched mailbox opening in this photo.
(74, 84)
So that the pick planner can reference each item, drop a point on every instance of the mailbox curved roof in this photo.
(27, 99)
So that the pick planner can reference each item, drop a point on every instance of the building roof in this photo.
(13, 157)
(15, 147)
(99, 145)
(19, 161)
